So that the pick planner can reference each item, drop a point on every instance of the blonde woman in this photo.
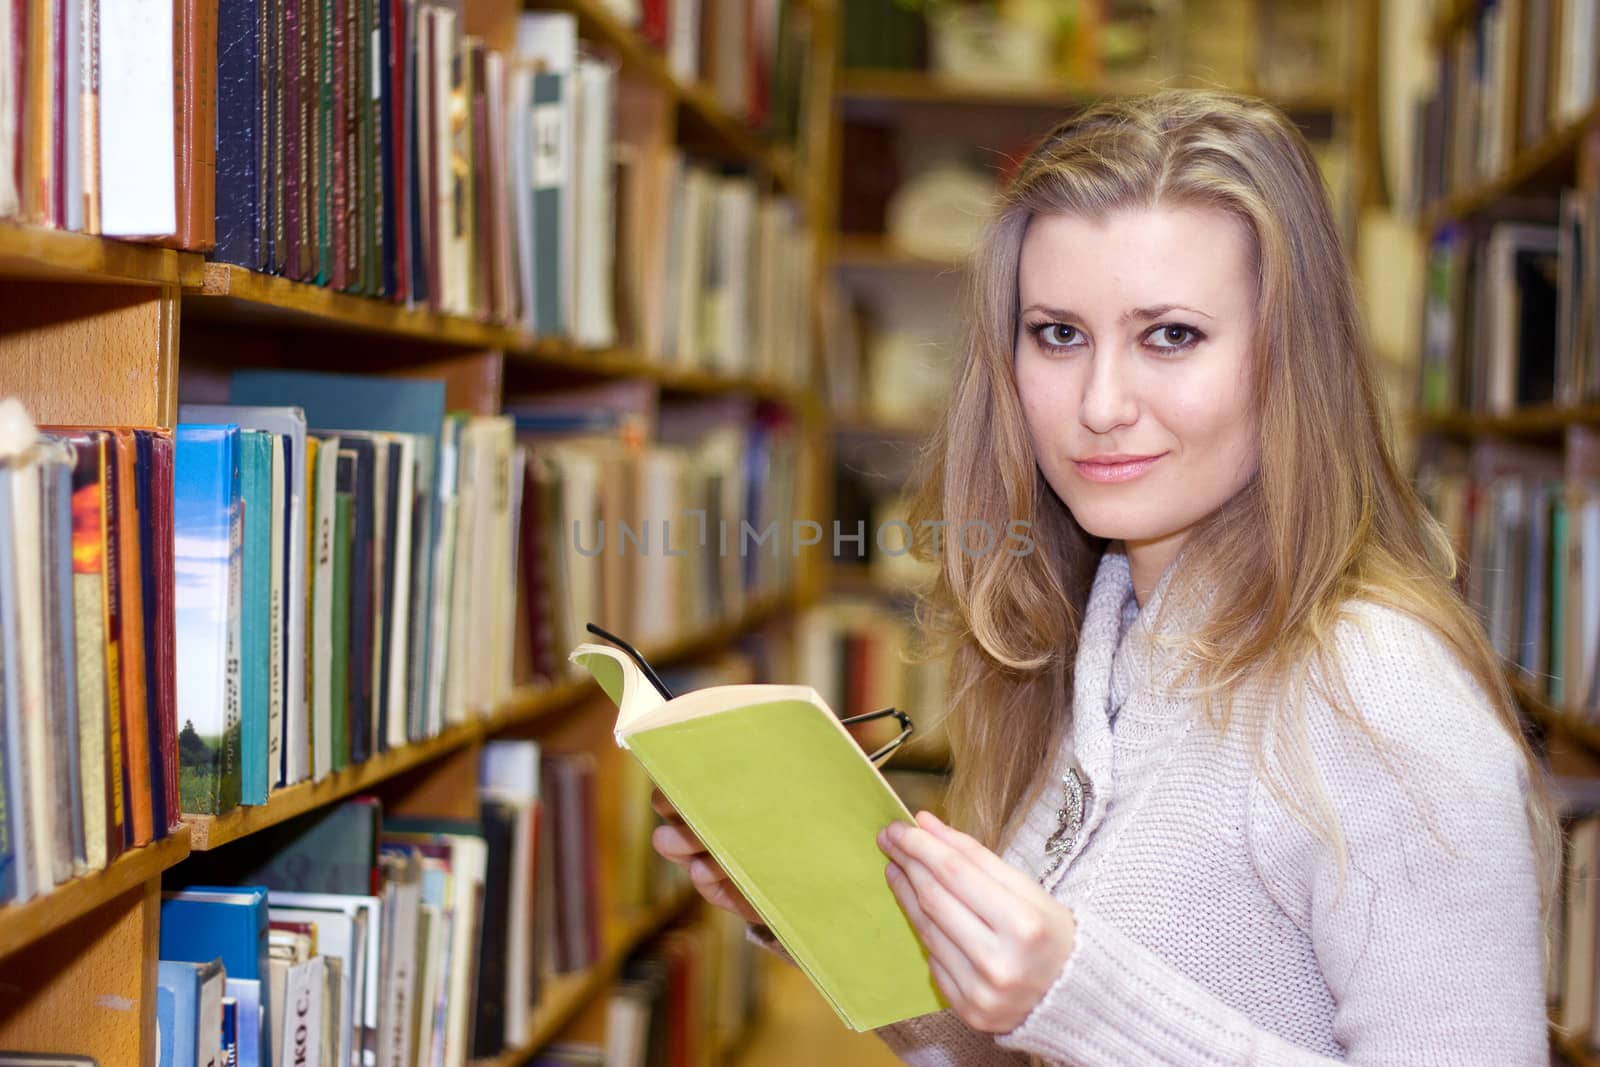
(1240, 778)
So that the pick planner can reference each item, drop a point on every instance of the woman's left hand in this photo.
(996, 941)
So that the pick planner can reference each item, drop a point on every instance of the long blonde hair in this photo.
(1008, 624)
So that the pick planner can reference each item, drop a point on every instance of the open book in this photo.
(790, 806)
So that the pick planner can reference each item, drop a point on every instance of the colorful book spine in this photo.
(207, 520)
(256, 620)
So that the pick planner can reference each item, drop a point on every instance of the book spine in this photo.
(239, 133)
(151, 535)
(232, 680)
(88, 593)
(64, 670)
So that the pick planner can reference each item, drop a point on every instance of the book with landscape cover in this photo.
(790, 806)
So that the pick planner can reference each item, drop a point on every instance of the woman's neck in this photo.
(1149, 560)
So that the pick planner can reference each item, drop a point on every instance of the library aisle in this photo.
(362, 359)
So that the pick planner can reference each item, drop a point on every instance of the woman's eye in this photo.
(1173, 336)
(1056, 335)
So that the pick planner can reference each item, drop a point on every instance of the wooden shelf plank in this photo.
(876, 253)
(23, 924)
(565, 995)
(1553, 158)
(229, 291)
(521, 709)
(1529, 422)
(233, 294)
(923, 87)
(709, 126)
(1557, 720)
(36, 252)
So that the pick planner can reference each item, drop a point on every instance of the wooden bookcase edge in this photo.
(24, 924)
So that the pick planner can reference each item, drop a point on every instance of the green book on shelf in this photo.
(790, 806)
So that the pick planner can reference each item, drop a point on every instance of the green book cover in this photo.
(790, 806)
(340, 670)
(255, 612)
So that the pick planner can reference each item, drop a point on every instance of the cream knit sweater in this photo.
(1211, 925)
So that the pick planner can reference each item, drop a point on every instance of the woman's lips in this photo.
(1115, 468)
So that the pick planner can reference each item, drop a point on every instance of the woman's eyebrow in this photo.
(1144, 314)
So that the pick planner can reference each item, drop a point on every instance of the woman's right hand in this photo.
(676, 842)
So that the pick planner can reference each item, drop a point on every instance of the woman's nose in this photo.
(1108, 398)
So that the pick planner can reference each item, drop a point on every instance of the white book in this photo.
(209, 1046)
(348, 934)
(34, 759)
(594, 193)
(683, 40)
(549, 40)
(627, 1027)
(519, 144)
(25, 863)
(442, 638)
(138, 183)
(9, 202)
(398, 989)
(400, 592)
(322, 609)
(71, 131)
(278, 599)
(300, 1036)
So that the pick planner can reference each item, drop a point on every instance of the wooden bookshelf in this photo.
(896, 87)
(524, 708)
(231, 294)
(93, 330)
(1550, 161)
(565, 995)
(23, 924)
(1539, 422)
(703, 124)
(43, 254)
(855, 252)
(1573, 1050)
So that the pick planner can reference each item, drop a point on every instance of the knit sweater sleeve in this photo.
(1430, 941)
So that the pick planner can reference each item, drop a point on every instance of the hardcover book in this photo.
(207, 520)
(790, 806)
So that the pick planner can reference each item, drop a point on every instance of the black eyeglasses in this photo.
(883, 752)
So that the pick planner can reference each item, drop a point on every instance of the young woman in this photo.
(1241, 779)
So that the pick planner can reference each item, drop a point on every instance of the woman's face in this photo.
(1134, 367)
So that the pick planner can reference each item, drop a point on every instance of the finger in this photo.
(940, 948)
(996, 902)
(717, 888)
(987, 861)
(664, 806)
(946, 908)
(676, 843)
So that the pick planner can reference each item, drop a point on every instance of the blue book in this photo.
(178, 1012)
(289, 425)
(251, 1023)
(206, 922)
(206, 523)
(230, 1032)
(255, 615)
(238, 184)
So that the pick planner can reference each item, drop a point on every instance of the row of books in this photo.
(1512, 75)
(750, 55)
(378, 148)
(341, 568)
(1510, 315)
(383, 939)
(88, 678)
(855, 652)
(1526, 526)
